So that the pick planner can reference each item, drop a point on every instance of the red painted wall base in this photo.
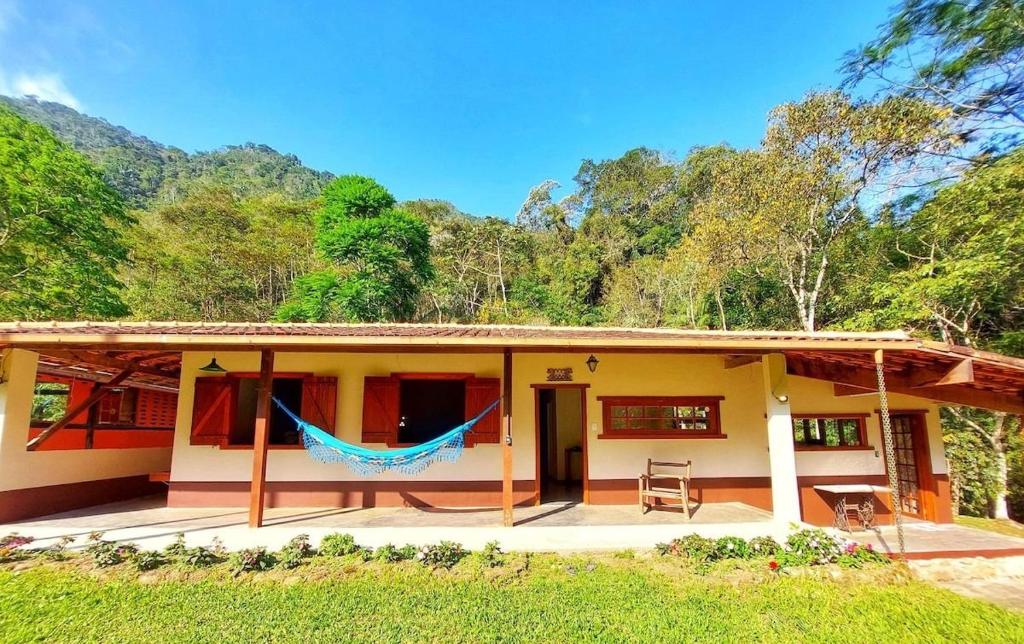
(16, 505)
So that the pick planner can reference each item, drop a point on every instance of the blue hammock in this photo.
(326, 448)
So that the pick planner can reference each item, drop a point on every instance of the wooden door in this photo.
(912, 468)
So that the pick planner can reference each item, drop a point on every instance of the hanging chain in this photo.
(890, 459)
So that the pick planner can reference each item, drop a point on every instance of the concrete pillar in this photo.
(17, 384)
(781, 454)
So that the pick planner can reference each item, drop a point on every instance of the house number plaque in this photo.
(560, 374)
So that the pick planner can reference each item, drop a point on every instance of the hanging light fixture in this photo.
(213, 367)
(592, 363)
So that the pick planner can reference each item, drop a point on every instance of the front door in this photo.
(908, 466)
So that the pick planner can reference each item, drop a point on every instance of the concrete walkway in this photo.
(996, 580)
(558, 527)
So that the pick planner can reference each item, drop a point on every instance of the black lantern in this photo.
(213, 367)
(592, 363)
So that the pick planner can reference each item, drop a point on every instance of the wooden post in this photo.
(506, 443)
(93, 398)
(90, 428)
(261, 439)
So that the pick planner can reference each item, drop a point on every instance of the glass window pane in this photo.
(618, 411)
(701, 412)
(618, 423)
(701, 425)
(652, 412)
(636, 412)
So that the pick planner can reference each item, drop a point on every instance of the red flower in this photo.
(773, 565)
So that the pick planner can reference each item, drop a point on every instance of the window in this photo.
(407, 408)
(117, 407)
(50, 401)
(429, 408)
(661, 417)
(224, 408)
(829, 431)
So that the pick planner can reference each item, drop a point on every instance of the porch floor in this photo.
(941, 540)
(555, 526)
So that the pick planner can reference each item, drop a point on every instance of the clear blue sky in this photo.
(473, 102)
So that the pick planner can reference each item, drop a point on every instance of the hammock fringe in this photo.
(326, 448)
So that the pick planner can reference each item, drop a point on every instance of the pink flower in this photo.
(851, 547)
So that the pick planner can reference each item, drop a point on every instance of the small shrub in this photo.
(12, 544)
(337, 544)
(387, 553)
(289, 558)
(217, 548)
(855, 555)
(628, 553)
(301, 545)
(108, 553)
(148, 560)
(200, 557)
(177, 549)
(252, 560)
(492, 555)
(763, 547)
(730, 548)
(408, 551)
(442, 555)
(693, 546)
(811, 546)
(665, 549)
(58, 550)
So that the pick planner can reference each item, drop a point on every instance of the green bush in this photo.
(442, 555)
(389, 553)
(251, 560)
(200, 557)
(811, 546)
(763, 547)
(148, 560)
(730, 548)
(58, 550)
(491, 555)
(177, 549)
(108, 553)
(337, 544)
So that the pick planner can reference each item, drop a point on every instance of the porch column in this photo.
(261, 439)
(506, 443)
(781, 454)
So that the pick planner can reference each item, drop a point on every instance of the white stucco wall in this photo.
(20, 468)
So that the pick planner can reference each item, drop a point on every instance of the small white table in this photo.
(864, 511)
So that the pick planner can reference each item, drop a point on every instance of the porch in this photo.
(561, 526)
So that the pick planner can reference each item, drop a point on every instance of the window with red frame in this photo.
(661, 416)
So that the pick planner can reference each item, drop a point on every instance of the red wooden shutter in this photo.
(213, 410)
(380, 410)
(156, 408)
(319, 401)
(481, 392)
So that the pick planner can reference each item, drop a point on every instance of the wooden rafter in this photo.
(961, 373)
(91, 400)
(899, 383)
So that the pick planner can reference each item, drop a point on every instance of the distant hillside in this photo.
(145, 171)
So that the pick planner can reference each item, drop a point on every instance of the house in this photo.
(767, 419)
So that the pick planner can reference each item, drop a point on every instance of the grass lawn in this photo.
(543, 598)
(1002, 526)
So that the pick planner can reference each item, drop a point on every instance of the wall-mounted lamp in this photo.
(213, 367)
(592, 363)
(781, 397)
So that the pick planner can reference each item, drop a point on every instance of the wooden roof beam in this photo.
(962, 373)
(898, 383)
(103, 360)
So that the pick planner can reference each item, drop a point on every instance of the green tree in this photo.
(789, 202)
(379, 258)
(212, 256)
(965, 55)
(61, 229)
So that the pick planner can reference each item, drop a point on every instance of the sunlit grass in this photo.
(1002, 526)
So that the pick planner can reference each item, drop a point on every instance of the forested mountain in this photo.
(147, 172)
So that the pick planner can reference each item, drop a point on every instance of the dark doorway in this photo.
(560, 443)
(429, 408)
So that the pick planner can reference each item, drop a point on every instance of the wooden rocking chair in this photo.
(665, 481)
